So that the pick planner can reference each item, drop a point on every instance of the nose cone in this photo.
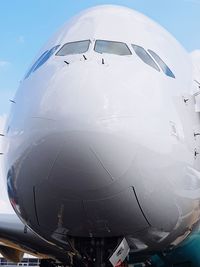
(75, 182)
(88, 188)
(90, 161)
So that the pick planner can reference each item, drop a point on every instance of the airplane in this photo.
(102, 147)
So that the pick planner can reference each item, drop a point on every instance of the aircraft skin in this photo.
(102, 146)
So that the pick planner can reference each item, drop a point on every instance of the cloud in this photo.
(20, 39)
(5, 206)
(4, 63)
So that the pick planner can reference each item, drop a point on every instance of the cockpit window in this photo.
(45, 57)
(41, 60)
(35, 64)
(144, 56)
(110, 47)
(162, 64)
(74, 48)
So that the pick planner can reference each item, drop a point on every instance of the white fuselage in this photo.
(102, 144)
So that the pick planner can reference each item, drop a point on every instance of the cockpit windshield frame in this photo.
(72, 49)
(100, 47)
(162, 64)
(144, 56)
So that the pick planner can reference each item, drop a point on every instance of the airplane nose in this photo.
(84, 178)
(89, 190)
(79, 156)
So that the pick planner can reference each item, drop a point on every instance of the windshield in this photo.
(41, 60)
(111, 47)
(162, 64)
(144, 56)
(74, 48)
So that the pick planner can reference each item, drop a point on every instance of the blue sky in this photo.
(26, 25)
